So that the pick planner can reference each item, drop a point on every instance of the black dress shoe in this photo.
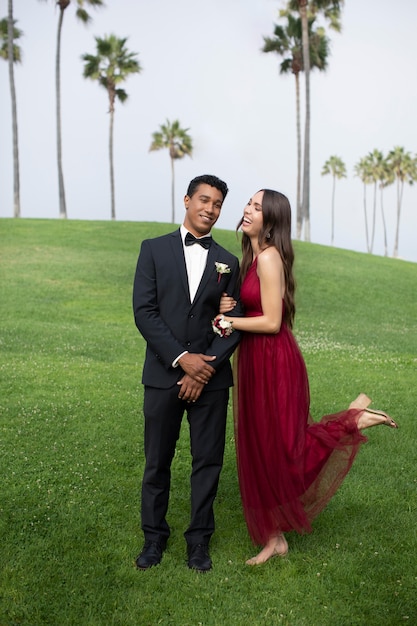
(199, 558)
(151, 555)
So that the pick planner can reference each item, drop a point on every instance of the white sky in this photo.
(202, 65)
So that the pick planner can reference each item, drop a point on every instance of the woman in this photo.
(289, 467)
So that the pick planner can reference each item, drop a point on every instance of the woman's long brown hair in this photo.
(275, 231)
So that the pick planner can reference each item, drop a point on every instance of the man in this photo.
(178, 283)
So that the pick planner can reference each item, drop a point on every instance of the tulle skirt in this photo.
(289, 466)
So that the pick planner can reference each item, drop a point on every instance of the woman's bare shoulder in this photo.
(269, 256)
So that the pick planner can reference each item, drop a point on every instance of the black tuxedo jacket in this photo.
(167, 319)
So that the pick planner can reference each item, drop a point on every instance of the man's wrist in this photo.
(175, 361)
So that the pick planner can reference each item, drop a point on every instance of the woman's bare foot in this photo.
(276, 546)
(374, 418)
(369, 417)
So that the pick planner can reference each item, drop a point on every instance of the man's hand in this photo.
(190, 389)
(197, 366)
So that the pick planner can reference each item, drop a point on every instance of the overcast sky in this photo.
(202, 64)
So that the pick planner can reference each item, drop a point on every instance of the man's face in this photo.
(202, 209)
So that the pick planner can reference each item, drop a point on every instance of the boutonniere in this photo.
(221, 268)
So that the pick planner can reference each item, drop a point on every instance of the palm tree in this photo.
(385, 177)
(111, 66)
(179, 143)
(374, 163)
(404, 168)
(331, 11)
(11, 51)
(336, 167)
(362, 171)
(84, 17)
(287, 42)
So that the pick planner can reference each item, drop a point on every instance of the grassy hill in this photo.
(72, 435)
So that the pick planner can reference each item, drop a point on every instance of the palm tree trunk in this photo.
(299, 205)
(172, 192)
(62, 205)
(373, 221)
(16, 178)
(384, 224)
(366, 218)
(112, 192)
(400, 188)
(333, 196)
(306, 172)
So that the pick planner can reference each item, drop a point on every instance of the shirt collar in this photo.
(184, 231)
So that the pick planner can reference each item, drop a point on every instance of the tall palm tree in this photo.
(84, 17)
(374, 162)
(362, 170)
(287, 42)
(331, 11)
(336, 167)
(404, 167)
(179, 143)
(380, 174)
(11, 52)
(385, 177)
(111, 66)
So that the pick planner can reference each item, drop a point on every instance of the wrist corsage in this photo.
(221, 268)
(222, 327)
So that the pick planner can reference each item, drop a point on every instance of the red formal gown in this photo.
(289, 466)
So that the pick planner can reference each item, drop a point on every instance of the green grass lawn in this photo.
(71, 446)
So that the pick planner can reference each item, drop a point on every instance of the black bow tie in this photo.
(204, 241)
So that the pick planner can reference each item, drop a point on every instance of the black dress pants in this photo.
(163, 412)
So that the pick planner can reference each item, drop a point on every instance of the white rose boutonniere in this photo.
(221, 268)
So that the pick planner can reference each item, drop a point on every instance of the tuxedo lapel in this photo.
(179, 261)
(209, 270)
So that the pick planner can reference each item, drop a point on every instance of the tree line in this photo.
(398, 166)
(113, 63)
(299, 38)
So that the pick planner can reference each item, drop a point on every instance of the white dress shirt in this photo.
(195, 262)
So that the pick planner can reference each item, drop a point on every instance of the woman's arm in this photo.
(271, 276)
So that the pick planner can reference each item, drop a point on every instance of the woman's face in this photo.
(252, 215)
